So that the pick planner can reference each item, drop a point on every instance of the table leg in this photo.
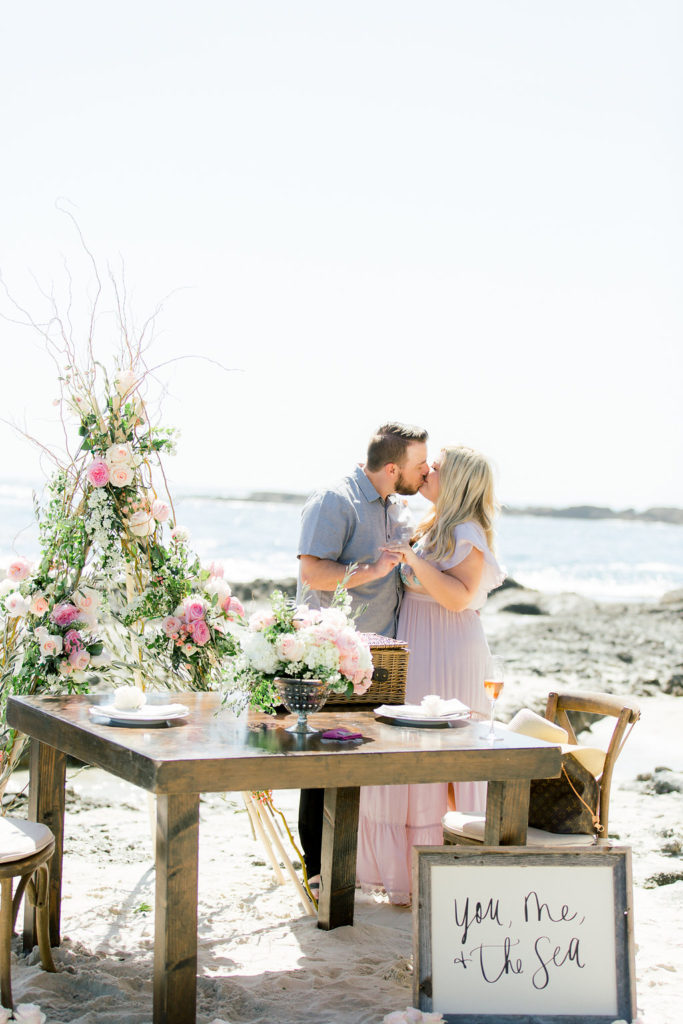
(47, 777)
(175, 922)
(338, 859)
(507, 813)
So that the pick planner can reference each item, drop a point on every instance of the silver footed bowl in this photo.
(302, 697)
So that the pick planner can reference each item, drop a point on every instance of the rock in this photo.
(522, 608)
(674, 684)
(666, 781)
(260, 590)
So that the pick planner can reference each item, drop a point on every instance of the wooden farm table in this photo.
(209, 752)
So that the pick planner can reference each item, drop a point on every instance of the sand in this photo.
(261, 958)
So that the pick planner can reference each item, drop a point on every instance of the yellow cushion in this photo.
(19, 838)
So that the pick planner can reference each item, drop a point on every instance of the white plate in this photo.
(403, 717)
(147, 715)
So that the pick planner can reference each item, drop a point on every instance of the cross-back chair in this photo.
(468, 829)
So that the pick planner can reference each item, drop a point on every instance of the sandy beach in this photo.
(261, 958)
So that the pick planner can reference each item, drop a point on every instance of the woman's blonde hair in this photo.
(465, 493)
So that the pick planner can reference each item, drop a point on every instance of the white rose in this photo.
(128, 698)
(17, 606)
(188, 649)
(142, 523)
(50, 645)
(119, 455)
(120, 475)
(7, 586)
(29, 1013)
(218, 586)
(124, 382)
(181, 534)
(86, 599)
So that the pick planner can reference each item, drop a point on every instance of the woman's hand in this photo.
(402, 552)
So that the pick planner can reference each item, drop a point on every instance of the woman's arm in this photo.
(454, 588)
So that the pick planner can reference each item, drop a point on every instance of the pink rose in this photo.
(232, 607)
(216, 569)
(39, 604)
(171, 626)
(65, 668)
(19, 569)
(79, 660)
(98, 473)
(160, 510)
(73, 641)
(180, 534)
(201, 634)
(65, 613)
(193, 609)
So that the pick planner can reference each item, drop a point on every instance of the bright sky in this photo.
(466, 215)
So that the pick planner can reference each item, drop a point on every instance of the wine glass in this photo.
(493, 685)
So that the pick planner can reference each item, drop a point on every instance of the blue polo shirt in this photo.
(350, 523)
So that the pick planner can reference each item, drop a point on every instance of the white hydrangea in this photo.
(261, 654)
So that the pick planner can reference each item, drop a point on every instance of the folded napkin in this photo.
(342, 734)
(528, 723)
(445, 710)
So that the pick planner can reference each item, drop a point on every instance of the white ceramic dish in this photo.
(149, 714)
(403, 716)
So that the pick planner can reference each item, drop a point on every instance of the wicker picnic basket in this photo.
(390, 658)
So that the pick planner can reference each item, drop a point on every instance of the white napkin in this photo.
(446, 708)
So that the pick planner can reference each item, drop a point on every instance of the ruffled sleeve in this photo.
(467, 536)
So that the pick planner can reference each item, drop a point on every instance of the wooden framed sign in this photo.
(519, 934)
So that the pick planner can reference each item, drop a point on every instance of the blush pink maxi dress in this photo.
(448, 652)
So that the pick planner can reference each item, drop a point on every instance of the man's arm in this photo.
(324, 574)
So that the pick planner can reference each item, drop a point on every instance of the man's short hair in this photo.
(390, 442)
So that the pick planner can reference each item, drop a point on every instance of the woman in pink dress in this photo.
(447, 572)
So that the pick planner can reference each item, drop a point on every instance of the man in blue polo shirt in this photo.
(348, 525)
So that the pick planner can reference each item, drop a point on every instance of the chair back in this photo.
(623, 709)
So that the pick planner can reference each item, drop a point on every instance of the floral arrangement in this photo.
(299, 643)
(116, 587)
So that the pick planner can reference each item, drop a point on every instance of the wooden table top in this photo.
(211, 750)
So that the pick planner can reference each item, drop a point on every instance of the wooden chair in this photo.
(25, 850)
(468, 829)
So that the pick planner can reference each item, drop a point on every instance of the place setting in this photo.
(129, 707)
(433, 712)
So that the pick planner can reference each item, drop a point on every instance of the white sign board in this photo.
(524, 932)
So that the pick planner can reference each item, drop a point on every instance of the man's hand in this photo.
(387, 561)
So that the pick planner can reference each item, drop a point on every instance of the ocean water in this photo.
(609, 560)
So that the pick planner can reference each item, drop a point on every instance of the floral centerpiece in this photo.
(297, 642)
